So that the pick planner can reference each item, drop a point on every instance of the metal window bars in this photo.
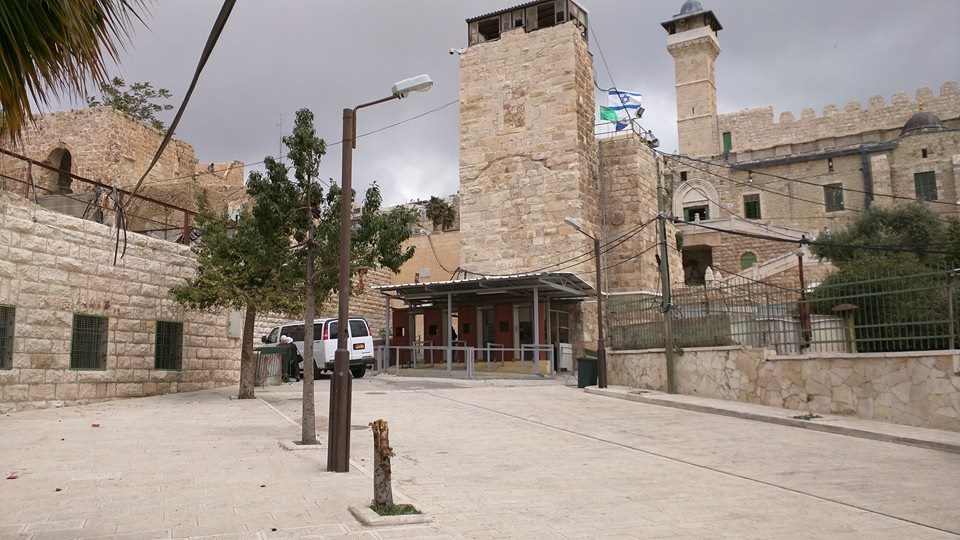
(168, 352)
(7, 316)
(88, 346)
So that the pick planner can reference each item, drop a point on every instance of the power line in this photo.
(806, 241)
(679, 158)
(215, 32)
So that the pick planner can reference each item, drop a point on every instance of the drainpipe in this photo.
(867, 178)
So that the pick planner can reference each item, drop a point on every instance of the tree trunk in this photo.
(309, 420)
(382, 483)
(247, 367)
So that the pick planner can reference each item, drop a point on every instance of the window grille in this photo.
(169, 348)
(751, 206)
(7, 314)
(88, 348)
(833, 197)
(926, 185)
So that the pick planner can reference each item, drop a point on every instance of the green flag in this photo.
(608, 114)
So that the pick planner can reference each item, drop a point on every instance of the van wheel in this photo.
(358, 372)
(316, 372)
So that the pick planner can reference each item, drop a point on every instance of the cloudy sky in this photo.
(280, 55)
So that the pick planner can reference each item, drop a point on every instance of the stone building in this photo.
(529, 158)
(104, 145)
(794, 176)
(74, 325)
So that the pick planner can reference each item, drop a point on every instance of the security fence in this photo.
(884, 313)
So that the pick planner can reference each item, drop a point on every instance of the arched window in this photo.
(747, 260)
(61, 159)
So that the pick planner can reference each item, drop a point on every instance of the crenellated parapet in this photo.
(756, 128)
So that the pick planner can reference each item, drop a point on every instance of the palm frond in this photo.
(51, 48)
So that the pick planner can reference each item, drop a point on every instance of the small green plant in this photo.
(807, 416)
(395, 510)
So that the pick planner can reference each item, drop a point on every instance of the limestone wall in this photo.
(628, 172)
(439, 254)
(527, 151)
(755, 128)
(917, 389)
(53, 266)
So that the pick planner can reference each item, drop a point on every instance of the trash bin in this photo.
(586, 372)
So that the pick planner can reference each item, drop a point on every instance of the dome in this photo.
(691, 6)
(922, 121)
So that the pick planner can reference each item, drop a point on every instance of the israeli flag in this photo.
(625, 105)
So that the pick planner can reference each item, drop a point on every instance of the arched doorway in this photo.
(61, 159)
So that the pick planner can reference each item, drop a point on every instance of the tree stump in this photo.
(382, 482)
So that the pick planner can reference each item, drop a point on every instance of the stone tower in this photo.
(692, 42)
(528, 155)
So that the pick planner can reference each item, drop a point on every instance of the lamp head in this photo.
(420, 83)
(573, 222)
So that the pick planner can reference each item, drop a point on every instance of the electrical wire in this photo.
(680, 159)
(806, 241)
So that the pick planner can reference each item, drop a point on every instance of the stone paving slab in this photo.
(935, 439)
(486, 459)
(516, 459)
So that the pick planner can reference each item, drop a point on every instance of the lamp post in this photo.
(601, 351)
(341, 382)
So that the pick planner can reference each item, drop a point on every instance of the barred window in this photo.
(833, 197)
(7, 314)
(926, 185)
(169, 348)
(88, 348)
(751, 206)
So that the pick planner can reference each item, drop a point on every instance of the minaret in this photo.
(692, 42)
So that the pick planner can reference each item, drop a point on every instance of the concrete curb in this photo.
(369, 518)
(653, 398)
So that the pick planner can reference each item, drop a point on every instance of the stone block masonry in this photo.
(54, 266)
(754, 129)
(918, 389)
(528, 156)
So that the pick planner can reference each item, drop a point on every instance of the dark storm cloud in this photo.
(277, 56)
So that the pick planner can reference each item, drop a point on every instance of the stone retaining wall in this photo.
(53, 266)
(917, 389)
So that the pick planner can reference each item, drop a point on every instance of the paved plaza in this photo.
(486, 459)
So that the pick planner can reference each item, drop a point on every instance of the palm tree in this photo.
(441, 213)
(51, 48)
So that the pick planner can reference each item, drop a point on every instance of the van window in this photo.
(295, 332)
(334, 327)
(317, 331)
(274, 335)
(358, 328)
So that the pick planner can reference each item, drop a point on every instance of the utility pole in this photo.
(666, 306)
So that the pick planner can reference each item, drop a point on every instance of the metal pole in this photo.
(951, 280)
(601, 346)
(388, 327)
(806, 332)
(338, 445)
(665, 283)
(536, 330)
(449, 333)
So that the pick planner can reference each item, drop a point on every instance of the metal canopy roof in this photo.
(556, 285)
(521, 6)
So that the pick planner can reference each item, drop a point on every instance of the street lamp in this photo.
(601, 352)
(341, 382)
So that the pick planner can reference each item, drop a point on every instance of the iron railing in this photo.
(463, 361)
(885, 313)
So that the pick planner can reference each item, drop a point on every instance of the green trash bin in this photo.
(586, 372)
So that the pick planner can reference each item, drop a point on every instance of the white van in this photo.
(325, 334)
